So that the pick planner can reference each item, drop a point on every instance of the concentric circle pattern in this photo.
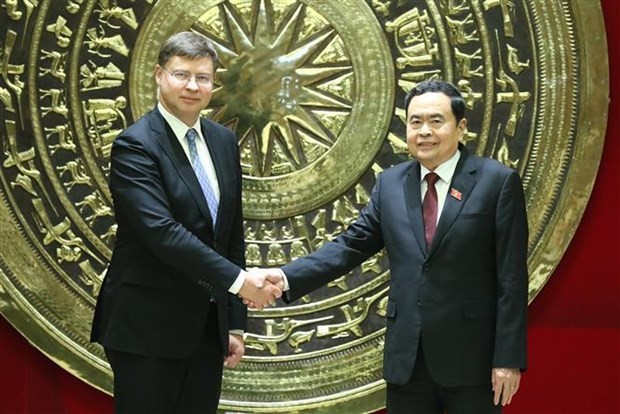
(314, 91)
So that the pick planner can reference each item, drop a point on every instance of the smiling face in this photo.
(433, 133)
(185, 99)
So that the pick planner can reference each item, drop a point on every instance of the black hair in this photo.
(457, 103)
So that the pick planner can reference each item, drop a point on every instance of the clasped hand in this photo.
(261, 287)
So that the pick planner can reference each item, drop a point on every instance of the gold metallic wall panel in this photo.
(314, 90)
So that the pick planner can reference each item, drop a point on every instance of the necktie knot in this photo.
(191, 136)
(431, 178)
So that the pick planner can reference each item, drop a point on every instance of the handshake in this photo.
(262, 287)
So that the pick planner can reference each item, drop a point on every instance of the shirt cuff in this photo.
(236, 287)
(285, 280)
(239, 332)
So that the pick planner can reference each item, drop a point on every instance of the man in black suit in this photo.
(168, 314)
(457, 305)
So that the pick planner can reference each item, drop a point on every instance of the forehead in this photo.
(199, 65)
(430, 103)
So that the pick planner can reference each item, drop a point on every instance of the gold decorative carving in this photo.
(314, 90)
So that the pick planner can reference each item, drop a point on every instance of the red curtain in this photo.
(574, 322)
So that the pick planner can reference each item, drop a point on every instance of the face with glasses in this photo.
(185, 86)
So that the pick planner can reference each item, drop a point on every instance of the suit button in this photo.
(425, 267)
(215, 245)
(420, 302)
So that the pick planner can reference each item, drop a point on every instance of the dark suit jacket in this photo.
(465, 298)
(168, 262)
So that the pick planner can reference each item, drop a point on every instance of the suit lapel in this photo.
(414, 203)
(172, 148)
(463, 182)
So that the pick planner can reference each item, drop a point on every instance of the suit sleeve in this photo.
(361, 240)
(138, 191)
(238, 312)
(511, 235)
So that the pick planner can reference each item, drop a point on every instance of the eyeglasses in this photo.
(185, 77)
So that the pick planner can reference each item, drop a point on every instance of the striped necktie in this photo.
(201, 174)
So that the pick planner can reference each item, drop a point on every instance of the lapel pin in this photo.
(456, 194)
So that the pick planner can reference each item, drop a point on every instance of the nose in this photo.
(192, 84)
(424, 129)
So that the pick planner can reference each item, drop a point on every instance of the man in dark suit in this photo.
(168, 314)
(457, 247)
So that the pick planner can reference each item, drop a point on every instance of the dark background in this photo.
(574, 334)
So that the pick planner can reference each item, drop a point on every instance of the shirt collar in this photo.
(445, 171)
(178, 127)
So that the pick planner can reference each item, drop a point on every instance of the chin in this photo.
(425, 155)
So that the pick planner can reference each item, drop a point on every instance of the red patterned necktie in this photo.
(429, 207)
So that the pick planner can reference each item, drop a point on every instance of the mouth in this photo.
(426, 144)
(188, 99)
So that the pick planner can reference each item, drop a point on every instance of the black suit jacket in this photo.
(466, 297)
(168, 262)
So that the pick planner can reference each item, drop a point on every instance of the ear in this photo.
(159, 72)
(462, 126)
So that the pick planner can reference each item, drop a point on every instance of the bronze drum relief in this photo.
(314, 90)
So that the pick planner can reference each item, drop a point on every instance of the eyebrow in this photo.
(432, 115)
(190, 72)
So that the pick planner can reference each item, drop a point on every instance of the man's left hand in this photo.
(505, 383)
(236, 349)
